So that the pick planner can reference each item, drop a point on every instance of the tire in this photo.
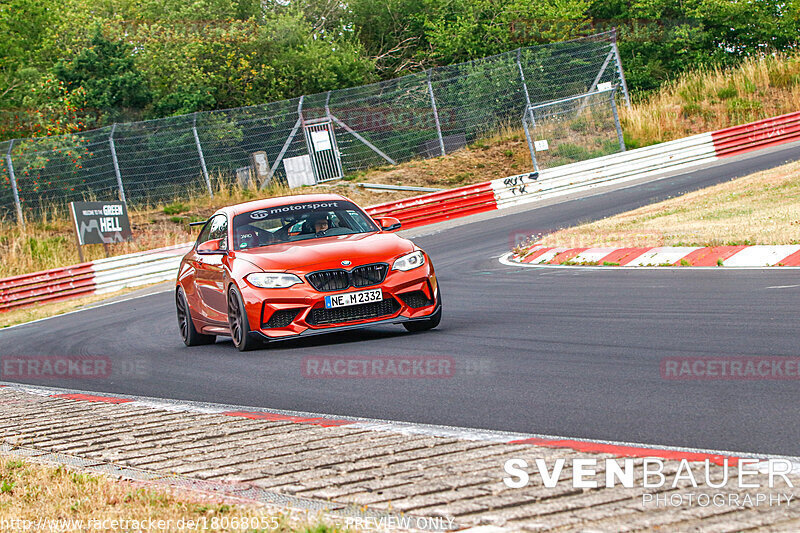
(243, 339)
(189, 333)
(428, 323)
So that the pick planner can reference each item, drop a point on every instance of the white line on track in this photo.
(104, 304)
(783, 286)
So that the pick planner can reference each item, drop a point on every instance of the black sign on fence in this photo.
(100, 223)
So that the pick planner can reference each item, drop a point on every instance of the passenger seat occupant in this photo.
(247, 237)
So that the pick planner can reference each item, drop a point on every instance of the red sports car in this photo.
(294, 266)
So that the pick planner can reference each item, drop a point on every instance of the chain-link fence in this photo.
(419, 115)
(573, 129)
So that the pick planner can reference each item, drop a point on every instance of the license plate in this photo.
(353, 298)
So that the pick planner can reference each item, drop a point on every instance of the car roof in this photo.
(265, 203)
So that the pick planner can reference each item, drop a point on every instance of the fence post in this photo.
(13, 180)
(288, 142)
(613, 96)
(116, 163)
(522, 77)
(435, 112)
(619, 68)
(528, 137)
(200, 152)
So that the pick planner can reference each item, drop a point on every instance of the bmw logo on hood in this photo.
(346, 263)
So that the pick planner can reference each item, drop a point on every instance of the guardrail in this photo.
(96, 277)
(108, 275)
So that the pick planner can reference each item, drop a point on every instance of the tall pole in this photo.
(528, 137)
(522, 77)
(435, 113)
(619, 69)
(613, 98)
(13, 179)
(202, 158)
(116, 163)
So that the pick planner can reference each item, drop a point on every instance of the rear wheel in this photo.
(189, 333)
(243, 339)
(428, 323)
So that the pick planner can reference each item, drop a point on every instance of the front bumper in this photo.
(300, 310)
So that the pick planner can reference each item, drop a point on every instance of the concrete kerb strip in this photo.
(239, 493)
(353, 470)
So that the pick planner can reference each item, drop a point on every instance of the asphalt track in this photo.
(568, 352)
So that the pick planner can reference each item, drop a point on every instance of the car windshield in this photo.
(298, 222)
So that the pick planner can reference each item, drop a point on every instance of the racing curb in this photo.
(756, 256)
(349, 468)
(619, 449)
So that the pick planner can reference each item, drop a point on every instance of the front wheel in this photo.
(428, 323)
(189, 333)
(238, 323)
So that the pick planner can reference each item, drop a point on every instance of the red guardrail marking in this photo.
(756, 135)
(276, 417)
(629, 451)
(64, 295)
(91, 398)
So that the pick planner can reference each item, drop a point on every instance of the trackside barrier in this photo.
(756, 135)
(96, 277)
(439, 206)
(108, 275)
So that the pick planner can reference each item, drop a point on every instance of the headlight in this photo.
(409, 261)
(272, 280)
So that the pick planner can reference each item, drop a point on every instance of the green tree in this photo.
(107, 74)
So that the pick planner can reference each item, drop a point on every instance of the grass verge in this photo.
(56, 497)
(762, 208)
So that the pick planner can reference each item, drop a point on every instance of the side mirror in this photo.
(210, 247)
(388, 223)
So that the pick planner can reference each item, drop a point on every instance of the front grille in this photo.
(415, 299)
(367, 275)
(353, 312)
(329, 280)
(281, 318)
(337, 280)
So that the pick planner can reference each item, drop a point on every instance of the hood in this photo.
(328, 252)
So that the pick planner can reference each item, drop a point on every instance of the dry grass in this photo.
(30, 491)
(708, 100)
(763, 208)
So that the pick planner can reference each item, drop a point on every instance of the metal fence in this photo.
(425, 114)
(573, 129)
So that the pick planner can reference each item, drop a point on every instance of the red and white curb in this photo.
(787, 256)
(616, 448)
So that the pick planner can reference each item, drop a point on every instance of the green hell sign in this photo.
(100, 222)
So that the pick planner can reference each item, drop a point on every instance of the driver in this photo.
(319, 222)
